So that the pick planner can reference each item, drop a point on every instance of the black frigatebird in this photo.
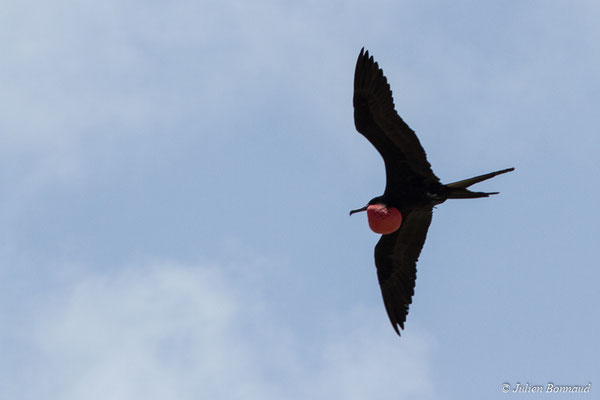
(403, 213)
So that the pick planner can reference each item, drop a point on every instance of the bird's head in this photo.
(382, 219)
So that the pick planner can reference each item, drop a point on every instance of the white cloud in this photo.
(81, 79)
(175, 331)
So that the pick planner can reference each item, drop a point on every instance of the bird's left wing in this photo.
(396, 256)
(376, 118)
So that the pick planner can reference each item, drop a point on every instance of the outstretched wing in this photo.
(396, 258)
(375, 117)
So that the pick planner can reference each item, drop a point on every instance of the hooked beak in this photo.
(359, 210)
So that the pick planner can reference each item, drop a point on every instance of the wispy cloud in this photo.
(174, 331)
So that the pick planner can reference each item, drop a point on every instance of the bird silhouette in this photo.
(403, 213)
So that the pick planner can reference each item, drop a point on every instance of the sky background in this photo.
(175, 181)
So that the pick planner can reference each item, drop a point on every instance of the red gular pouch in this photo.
(382, 219)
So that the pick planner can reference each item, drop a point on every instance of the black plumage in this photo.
(411, 186)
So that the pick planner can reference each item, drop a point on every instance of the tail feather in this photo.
(458, 190)
(465, 183)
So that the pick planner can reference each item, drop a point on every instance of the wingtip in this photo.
(398, 326)
(364, 54)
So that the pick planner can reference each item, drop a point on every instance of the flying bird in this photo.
(403, 213)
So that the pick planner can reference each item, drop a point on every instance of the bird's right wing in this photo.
(376, 118)
(396, 256)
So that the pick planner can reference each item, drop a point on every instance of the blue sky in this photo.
(175, 185)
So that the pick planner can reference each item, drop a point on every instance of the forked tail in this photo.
(458, 190)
